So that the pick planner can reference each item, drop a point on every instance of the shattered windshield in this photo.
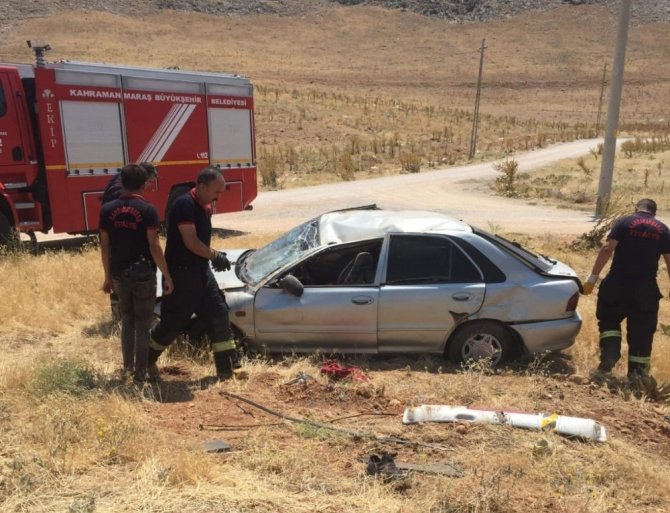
(282, 251)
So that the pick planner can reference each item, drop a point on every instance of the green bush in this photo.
(64, 376)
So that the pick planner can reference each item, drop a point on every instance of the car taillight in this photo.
(572, 303)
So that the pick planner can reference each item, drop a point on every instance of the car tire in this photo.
(481, 339)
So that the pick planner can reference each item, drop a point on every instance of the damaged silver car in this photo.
(378, 281)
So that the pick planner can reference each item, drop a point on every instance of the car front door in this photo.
(429, 286)
(337, 311)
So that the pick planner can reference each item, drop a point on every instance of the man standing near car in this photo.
(112, 191)
(130, 253)
(630, 290)
(114, 188)
(188, 254)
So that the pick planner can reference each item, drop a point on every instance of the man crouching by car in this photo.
(188, 254)
(131, 251)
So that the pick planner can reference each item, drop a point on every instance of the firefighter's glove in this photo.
(220, 262)
(587, 286)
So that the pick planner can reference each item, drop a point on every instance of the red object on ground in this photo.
(335, 371)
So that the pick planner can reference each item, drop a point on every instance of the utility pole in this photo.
(475, 118)
(609, 149)
(603, 83)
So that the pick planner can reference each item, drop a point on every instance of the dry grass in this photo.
(114, 449)
(382, 85)
(637, 174)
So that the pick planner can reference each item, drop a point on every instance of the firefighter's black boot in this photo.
(224, 362)
(153, 374)
(610, 350)
(637, 368)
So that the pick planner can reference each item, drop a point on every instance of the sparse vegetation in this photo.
(576, 183)
(506, 183)
(63, 376)
(115, 446)
(340, 102)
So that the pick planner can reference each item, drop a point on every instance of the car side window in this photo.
(417, 259)
(343, 265)
(3, 101)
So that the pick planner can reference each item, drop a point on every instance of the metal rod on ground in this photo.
(355, 434)
(475, 118)
(609, 149)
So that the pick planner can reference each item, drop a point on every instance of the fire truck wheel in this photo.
(8, 236)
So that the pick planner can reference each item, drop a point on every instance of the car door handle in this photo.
(460, 296)
(362, 300)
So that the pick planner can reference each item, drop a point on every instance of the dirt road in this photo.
(456, 191)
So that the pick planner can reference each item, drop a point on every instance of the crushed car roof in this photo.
(353, 225)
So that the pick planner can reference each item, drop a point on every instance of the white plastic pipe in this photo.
(570, 426)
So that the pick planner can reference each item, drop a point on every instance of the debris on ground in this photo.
(386, 466)
(335, 371)
(215, 446)
(301, 379)
(571, 426)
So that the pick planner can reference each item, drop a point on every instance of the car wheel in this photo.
(478, 340)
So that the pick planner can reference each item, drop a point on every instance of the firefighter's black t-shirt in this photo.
(126, 221)
(187, 210)
(642, 239)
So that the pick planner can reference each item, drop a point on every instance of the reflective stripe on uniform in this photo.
(226, 345)
(155, 345)
(610, 333)
(644, 360)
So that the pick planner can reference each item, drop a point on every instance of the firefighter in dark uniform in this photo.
(114, 188)
(112, 191)
(188, 254)
(629, 291)
(130, 253)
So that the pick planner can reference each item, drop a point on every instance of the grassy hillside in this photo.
(347, 92)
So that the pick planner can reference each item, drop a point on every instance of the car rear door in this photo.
(428, 285)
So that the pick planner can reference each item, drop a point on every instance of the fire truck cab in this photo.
(67, 128)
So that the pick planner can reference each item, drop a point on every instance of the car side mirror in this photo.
(292, 285)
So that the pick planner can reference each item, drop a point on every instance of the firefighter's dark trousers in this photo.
(195, 291)
(637, 302)
(137, 297)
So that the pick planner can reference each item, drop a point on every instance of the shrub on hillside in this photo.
(506, 183)
(65, 376)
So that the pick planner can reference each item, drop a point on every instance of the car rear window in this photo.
(539, 262)
(492, 274)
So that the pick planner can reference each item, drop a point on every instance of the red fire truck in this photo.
(67, 128)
